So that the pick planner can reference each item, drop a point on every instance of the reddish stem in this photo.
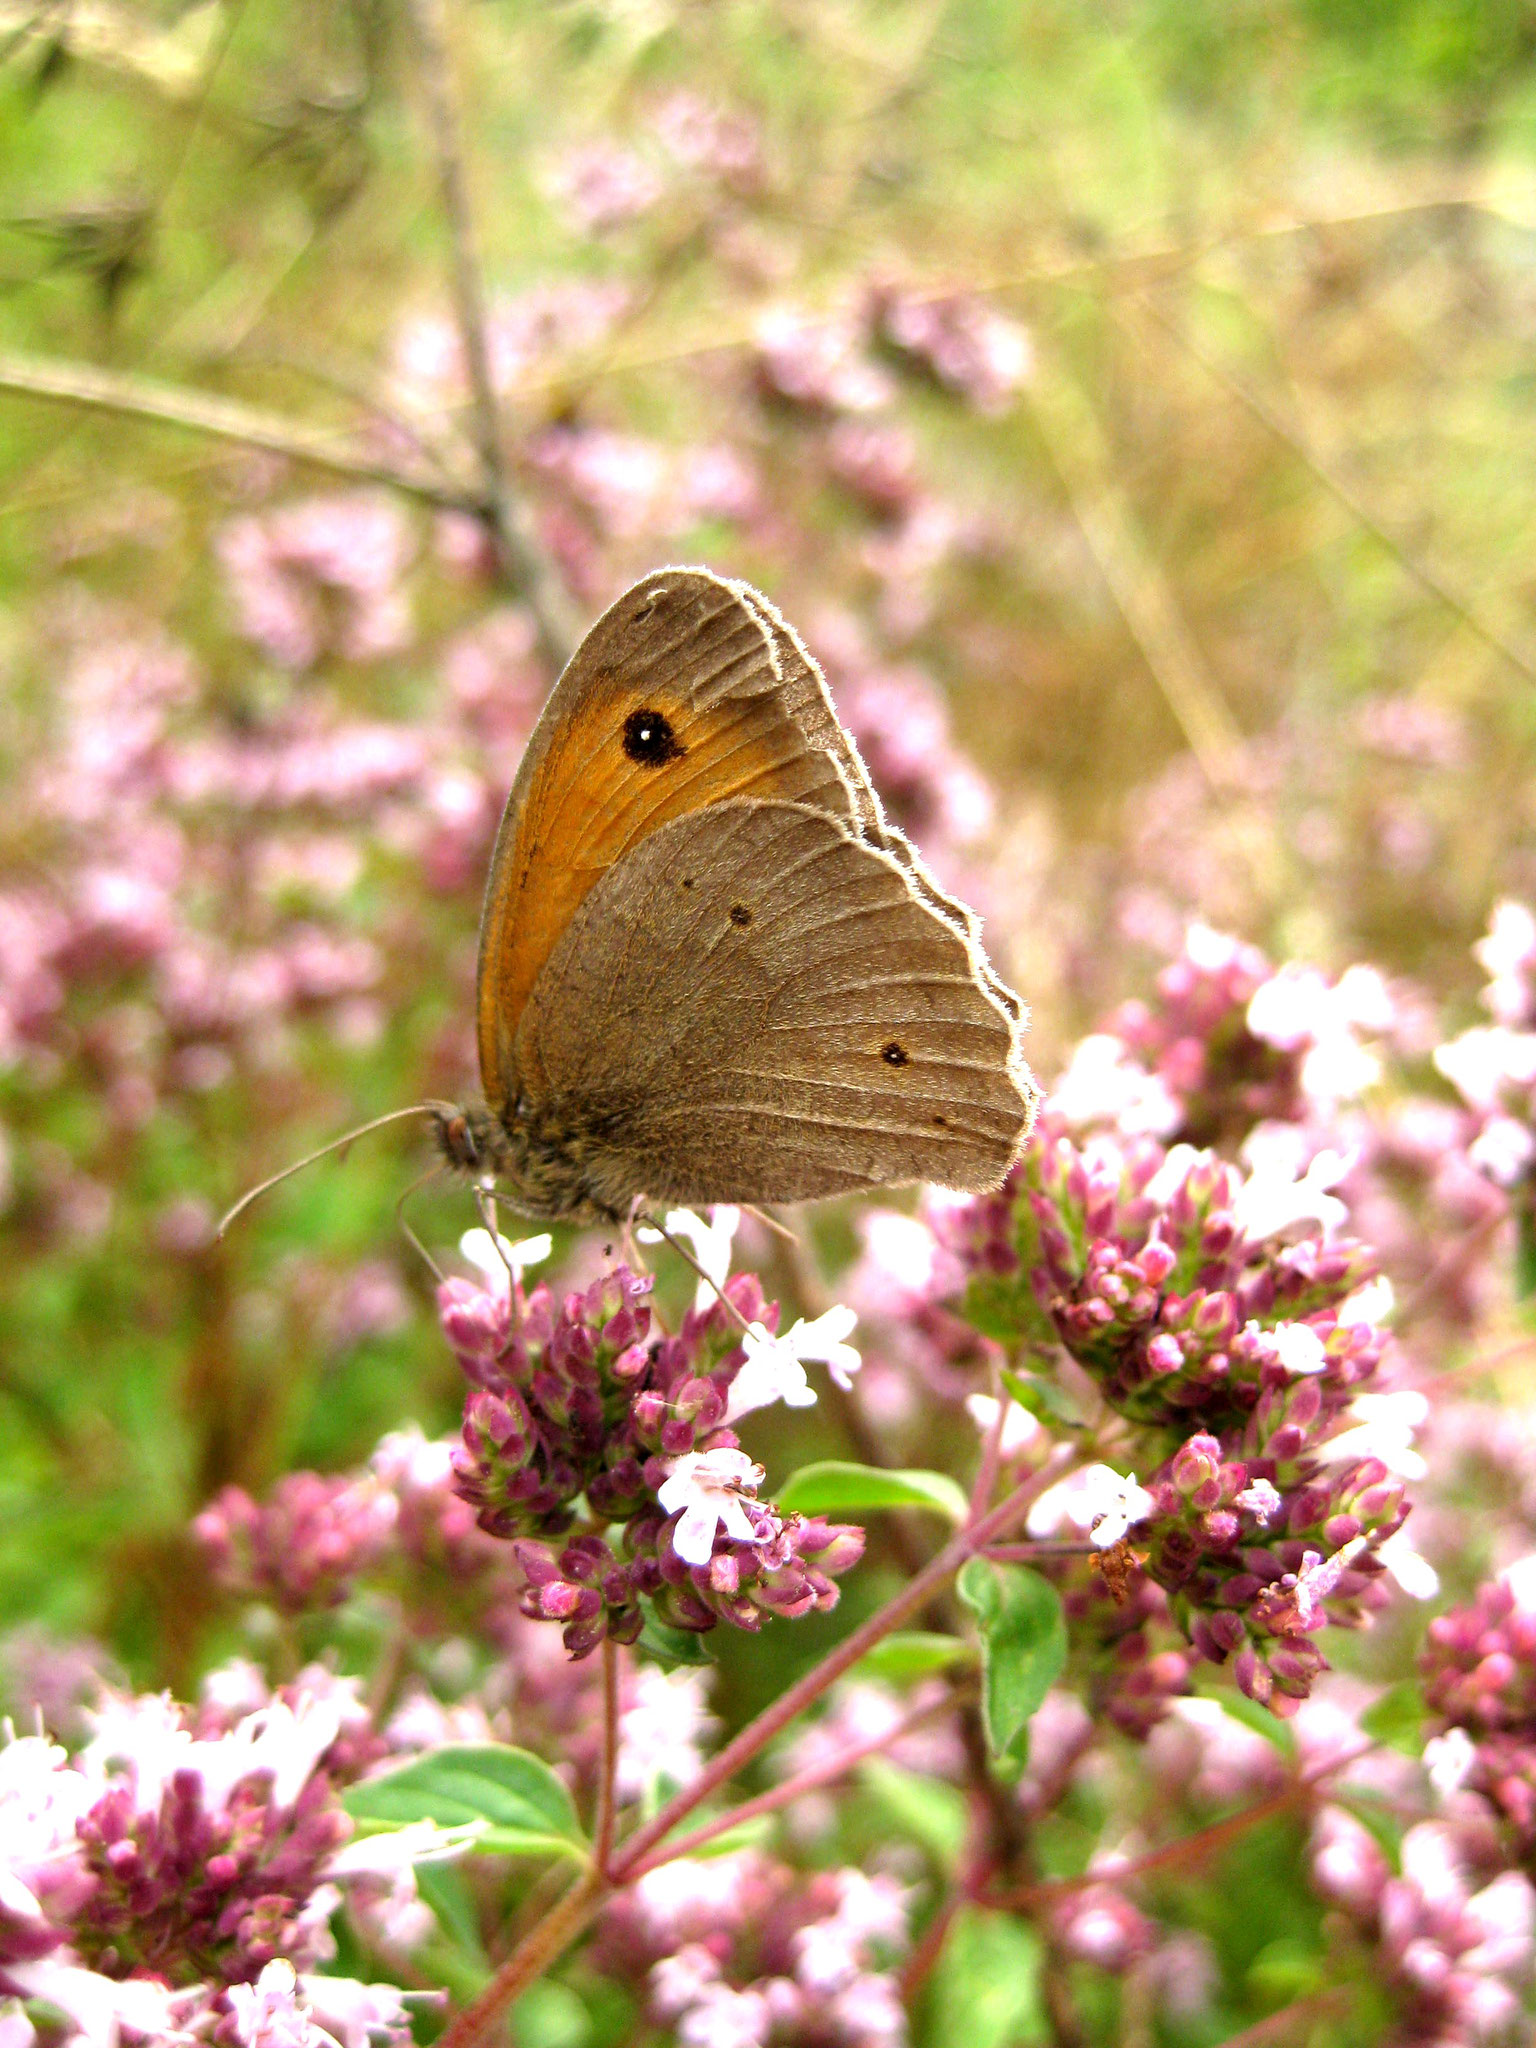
(607, 1803)
(991, 1453)
(919, 1965)
(760, 1732)
(778, 1796)
(1188, 1848)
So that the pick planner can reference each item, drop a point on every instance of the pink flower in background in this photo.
(967, 344)
(821, 360)
(167, 1880)
(281, 566)
(604, 185)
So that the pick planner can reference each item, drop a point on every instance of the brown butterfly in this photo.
(709, 970)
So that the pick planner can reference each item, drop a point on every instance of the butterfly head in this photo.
(471, 1140)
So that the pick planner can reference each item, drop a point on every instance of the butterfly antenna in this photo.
(406, 1231)
(652, 1223)
(336, 1145)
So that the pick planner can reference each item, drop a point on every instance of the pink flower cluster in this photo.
(182, 1869)
(305, 1546)
(1276, 1473)
(1479, 1670)
(1493, 1066)
(1451, 1947)
(321, 575)
(741, 1951)
(574, 1398)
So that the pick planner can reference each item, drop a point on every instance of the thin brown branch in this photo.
(523, 559)
(1192, 1848)
(607, 1802)
(226, 419)
(1281, 2025)
(919, 1966)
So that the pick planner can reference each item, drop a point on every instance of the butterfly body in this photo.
(709, 970)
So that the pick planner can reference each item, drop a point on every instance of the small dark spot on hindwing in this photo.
(893, 1054)
(650, 740)
(740, 914)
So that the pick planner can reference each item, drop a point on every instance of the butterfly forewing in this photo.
(676, 700)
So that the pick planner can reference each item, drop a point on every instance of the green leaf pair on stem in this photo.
(1023, 1646)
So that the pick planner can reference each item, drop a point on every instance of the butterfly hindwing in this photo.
(757, 1004)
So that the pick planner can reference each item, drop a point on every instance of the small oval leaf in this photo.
(835, 1488)
(526, 1808)
(1023, 1645)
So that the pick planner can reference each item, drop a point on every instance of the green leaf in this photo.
(1376, 1814)
(1525, 1252)
(443, 1888)
(1042, 1398)
(834, 1488)
(913, 1654)
(1274, 1731)
(1023, 1645)
(1286, 1969)
(993, 1306)
(986, 1985)
(671, 1646)
(1397, 1718)
(550, 2015)
(930, 1812)
(527, 1808)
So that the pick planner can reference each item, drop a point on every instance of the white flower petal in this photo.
(493, 1255)
(694, 1537)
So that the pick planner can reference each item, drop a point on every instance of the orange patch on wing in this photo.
(581, 802)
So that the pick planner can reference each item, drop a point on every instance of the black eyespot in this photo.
(740, 914)
(650, 740)
(942, 1122)
(687, 881)
(893, 1054)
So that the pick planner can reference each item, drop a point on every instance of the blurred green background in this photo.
(1229, 597)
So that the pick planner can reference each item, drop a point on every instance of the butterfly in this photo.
(710, 970)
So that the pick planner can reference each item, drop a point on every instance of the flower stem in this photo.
(778, 1796)
(607, 1805)
(760, 1732)
(540, 1947)
(507, 518)
(1187, 1849)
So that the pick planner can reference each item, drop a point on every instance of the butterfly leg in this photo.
(653, 1223)
(485, 1202)
(634, 1258)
